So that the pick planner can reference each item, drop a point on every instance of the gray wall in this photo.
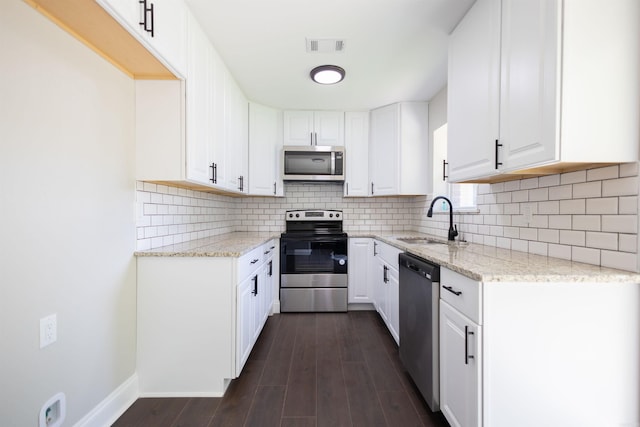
(67, 219)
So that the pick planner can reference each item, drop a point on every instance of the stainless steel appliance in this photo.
(313, 163)
(419, 337)
(313, 262)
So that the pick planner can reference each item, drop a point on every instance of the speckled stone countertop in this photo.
(479, 262)
(491, 264)
(225, 245)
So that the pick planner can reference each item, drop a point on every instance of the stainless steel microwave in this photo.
(313, 163)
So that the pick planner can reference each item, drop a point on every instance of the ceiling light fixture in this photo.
(327, 74)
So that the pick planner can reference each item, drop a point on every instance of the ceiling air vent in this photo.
(315, 45)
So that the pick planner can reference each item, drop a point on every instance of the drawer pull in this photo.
(467, 356)
(450, 289)
(254, 261)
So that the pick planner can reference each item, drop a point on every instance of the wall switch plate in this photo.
(48, 330)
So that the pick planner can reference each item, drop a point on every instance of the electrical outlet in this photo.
(48, 330)
(527, 213)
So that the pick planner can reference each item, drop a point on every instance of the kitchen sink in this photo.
(420, 241)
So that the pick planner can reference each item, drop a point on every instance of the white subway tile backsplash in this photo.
(586, 222)
(538, 248)
(602, 206)
(586, 255)
(529, 183)
(628, 242)
(573, 207)
(560, 221)
(587, 189)
(520, 196)
(602, 240)
(561, 192)
(549, 208)
(620, 223)
(549, 181)
(573, 177)
(620, 187)
(578, 215)
(623, 261)
(560, 251)
(607, 172)
(628, 169)
(628, 205)
(573, 238)
(538, 194)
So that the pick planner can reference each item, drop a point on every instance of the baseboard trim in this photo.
(182, 394)
(113, 406)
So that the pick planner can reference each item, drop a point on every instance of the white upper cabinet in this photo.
(398, 149)
(160, 25)
(199, 105)
(473, 92)
(237, 137)
(194, 133)
(265, 151)
(314, 128)
(532, 85)
(356, 144)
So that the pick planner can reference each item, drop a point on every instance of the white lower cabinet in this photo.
(198, 319)
(360, 287)
(459, 367)
(386, 287)
(532, 354)
(460, 349)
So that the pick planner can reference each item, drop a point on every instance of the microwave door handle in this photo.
(333, 163)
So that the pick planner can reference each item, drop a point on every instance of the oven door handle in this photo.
(329, 239)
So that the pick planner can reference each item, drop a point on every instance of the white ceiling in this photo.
(395, 50)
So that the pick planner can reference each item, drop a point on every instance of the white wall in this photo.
(67, 219)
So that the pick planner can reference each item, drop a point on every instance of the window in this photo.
(462, 196)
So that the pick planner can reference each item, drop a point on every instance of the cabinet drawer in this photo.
(389, 254)
(462, 293)
(249, 262)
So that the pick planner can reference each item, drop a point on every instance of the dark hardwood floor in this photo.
(316, 369)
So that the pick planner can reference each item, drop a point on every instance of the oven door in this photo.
(313, 261)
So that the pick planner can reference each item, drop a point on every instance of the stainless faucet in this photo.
(453, 232)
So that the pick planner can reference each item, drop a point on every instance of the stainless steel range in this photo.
(313, 262)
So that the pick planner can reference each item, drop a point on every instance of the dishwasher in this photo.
(419, 337)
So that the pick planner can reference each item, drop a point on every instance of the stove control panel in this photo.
(314, 215)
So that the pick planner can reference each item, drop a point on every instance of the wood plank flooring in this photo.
(306, 370)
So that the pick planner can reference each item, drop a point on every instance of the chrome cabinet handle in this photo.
(444, 170)
(467, 356)
(385, 274)
(450, 289)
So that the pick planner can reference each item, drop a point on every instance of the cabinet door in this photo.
(328, 128)
(473, 93)
(199, 103)
(383, 154)
(265, 151)
(460, 360)
(393, 303)
(356, 142)
(380, 287)
(298, 128)
(528, 110)
(245, 322)
(218, 119)
(169, 33)
(359, 271)
(236, 133)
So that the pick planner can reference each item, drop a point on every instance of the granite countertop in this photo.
(491, 264)
(231, 245)
(478, 262)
